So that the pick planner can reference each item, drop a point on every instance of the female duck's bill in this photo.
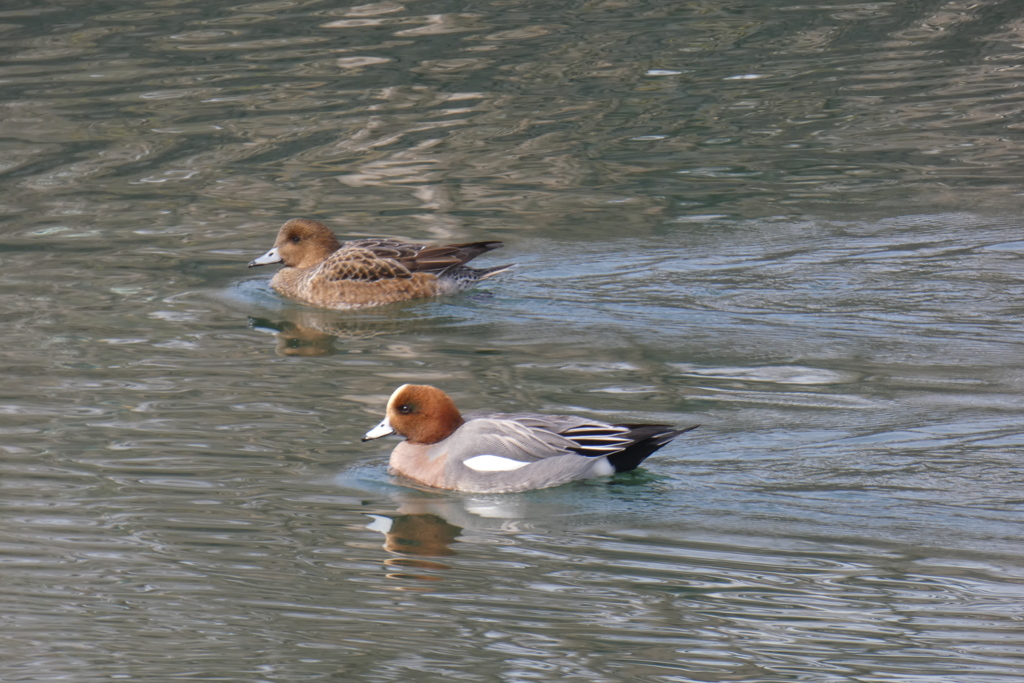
(487, 452)
(267, 259)
(321, 271)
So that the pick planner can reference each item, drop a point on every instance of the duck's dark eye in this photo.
(295, 239)
(405, 409)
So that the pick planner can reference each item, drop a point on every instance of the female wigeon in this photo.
(321, 271)
(486, 452)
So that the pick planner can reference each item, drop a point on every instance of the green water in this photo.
(797, 225)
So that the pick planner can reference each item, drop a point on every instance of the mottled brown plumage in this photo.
(321, 271)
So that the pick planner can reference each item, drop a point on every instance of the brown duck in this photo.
(321, 271)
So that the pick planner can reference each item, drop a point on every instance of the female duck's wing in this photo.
(358, 264)
(423, 258)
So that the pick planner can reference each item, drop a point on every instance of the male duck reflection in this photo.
(321, 271)
(487, 452)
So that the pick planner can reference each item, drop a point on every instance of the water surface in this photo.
(796, 225)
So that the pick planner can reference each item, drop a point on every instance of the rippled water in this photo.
(794, 224)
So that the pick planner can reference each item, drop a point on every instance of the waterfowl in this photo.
(486, 452)
(323, 272)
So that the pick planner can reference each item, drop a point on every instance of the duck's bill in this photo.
(383, 429)
(270, 257)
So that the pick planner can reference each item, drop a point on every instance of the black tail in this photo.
(649, 438)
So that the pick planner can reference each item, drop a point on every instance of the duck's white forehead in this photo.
(394, 395)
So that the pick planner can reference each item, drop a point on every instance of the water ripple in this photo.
(795, 225)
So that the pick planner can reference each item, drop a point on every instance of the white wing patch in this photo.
(493, 463)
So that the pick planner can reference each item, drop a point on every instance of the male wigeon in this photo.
(487, 452)
(321, 271)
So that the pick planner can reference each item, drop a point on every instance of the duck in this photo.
(321, 271)
(489, 452)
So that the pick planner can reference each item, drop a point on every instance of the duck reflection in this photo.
(313, 333)
(415, 537)
(294, 340)
(422, 527)
(422, 534)
(428, 525)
